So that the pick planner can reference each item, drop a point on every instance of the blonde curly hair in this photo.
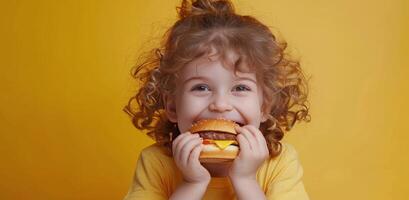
(206, 25)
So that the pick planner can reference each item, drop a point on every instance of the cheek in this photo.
(187, 111)
(252, 102)
(250, 109)
(191, 102)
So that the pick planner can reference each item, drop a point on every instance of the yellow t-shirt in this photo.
(156, 177)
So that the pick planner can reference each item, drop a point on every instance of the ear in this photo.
(266, 111)
(263, 117)
(170, 107)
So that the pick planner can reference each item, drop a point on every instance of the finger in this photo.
(188, 148)
(194, 156)
(185, 138)
(176, 146)
(262, 144)
(251, 139)
(182, 143)
(177, 140)
(262, 150)
(243, 144)
(256, 133)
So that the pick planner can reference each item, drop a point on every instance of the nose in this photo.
(220, 104)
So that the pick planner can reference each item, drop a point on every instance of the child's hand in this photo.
(253, 152)
(186, 149)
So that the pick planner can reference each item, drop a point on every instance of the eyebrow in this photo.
(206, 79)
(246, 78)
(194, 77)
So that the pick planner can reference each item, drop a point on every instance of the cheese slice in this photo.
(222, 144)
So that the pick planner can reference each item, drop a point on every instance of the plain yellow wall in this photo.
(65, 77)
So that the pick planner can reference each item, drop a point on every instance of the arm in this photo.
(186, 150)
(247, 188)
(190, 191)
(253, 152)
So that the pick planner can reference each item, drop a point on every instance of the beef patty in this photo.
(217, 135)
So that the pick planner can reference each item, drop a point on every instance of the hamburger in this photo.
(219, 140)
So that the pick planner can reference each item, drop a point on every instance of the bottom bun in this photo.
(211, 153)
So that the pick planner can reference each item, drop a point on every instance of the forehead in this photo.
(211, 64)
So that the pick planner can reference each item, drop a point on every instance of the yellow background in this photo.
(65, 78)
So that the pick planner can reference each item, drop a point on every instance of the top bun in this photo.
(221, 125)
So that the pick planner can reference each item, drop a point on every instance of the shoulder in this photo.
(287, 160)
(155, 159)
(156, 151)
(154, 174)
(288, 153)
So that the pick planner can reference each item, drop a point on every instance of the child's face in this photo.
(205, 89)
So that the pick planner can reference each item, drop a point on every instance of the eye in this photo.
(241, 87)
(200, 87)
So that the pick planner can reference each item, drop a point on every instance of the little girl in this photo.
(214, 63)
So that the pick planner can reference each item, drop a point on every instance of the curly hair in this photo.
(205, 25)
